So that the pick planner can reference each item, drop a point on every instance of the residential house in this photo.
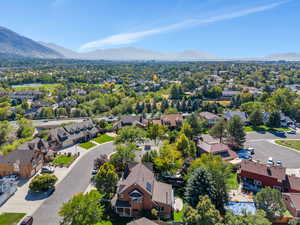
(145, 221)
(228, 115)
(285, 121)
(131, 120)
(230, 94)
(25, 95)
(68, 102)
(292, 202)
(256, 175)
(26, 160)
(211, 118)
(62, 137)
(170, 120)
(139, 190)
(207, 144)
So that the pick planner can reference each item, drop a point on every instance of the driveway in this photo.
(264, 148)
(77, 180)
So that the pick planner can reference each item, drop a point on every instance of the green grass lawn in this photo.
(103, 139)
(47, 86)
(263, 128)
(11, 218)
(232, 182)
(64, 160)
(87, 145)
(295, 144)
(178, 216)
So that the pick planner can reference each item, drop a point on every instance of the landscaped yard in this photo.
(263, 129)
(103, 139)
(63, 160)
(232, 182)
(87, 145)
(295, 144)
(178, 216)
(11, 218)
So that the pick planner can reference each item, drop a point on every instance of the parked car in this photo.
(270, 161)
(292, 132)
(251, 150)
(28, 220)
(94, 171)
(47, 169)
(279, 133)
(278, 163)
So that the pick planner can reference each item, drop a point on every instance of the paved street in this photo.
(264, 148)
(75, 182)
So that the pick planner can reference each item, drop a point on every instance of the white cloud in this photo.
(128, 38)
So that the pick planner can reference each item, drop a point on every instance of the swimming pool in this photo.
(240, 208)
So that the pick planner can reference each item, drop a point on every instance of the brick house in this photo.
(292, 202)
(207, 144)
(26, 160)
(138, 190)
(174, 121)
(256, 176)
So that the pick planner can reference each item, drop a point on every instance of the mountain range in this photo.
(12, 43)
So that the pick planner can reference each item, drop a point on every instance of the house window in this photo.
(149, 187)
(257, 182)
(277, 188)
(136, 200)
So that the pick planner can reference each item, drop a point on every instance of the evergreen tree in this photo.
(235, 128)
(256, 118)
(219, 130)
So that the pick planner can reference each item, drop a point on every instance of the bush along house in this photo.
(138, 191)
(255, 176)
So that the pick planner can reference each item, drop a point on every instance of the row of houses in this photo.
(255, 176)
(29, 157)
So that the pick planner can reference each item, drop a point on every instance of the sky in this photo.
(224, 28)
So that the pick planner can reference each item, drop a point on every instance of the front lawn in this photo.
(232, 182)
(294, 144)
(87, 145)
(178, 215)
(11, 218)
(103, 139)
(63, 160)
(263, 129)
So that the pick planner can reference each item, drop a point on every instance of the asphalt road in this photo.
(264, 148)
(76, 181)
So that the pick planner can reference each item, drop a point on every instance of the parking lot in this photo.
(265, 148)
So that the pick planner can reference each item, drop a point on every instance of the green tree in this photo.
(220, 172)
(219, 130)
(106, 179)
(25, 105)
(294, 221)
(168, 160)
(186, 146)
(155, 132)
(235, 128)
(256, 118)
(274, 119)
(199, 184)
(187, 130)
(82, 209)
(247, 219)
(196, 124)
(270, 201)
(4, 113)
(130, 134)
(5, 131)
(124, 154)
(205, 213)
(42, 182)
(26, 129)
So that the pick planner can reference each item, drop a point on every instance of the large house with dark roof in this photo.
(256, 176)
(26, 160)
(208, 144)
(131, 120)
(139, 190)
(71, 134)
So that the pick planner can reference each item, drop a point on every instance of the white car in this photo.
(251, 150)
(270, 161)
(291, 132)
(278, 163)
(47, 169)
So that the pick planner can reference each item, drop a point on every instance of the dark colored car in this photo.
(28, 220)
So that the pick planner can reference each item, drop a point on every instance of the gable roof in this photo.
(276, 172)
(209, 115)
(228, 115)
(294, 198)
(293, 182)
(172, 118)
